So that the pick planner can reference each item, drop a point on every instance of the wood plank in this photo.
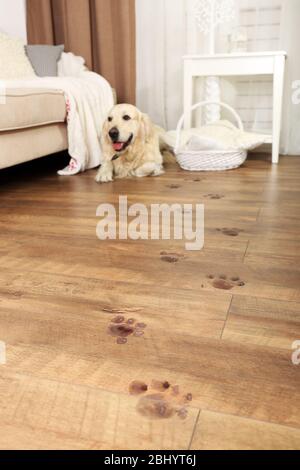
(282, 273)
(88, 304)
(51, 228)
(259, 383)
(138, 265)
(217, 431)
(44, 414)
(263, 246)
(263, 322)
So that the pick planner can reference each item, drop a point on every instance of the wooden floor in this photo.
(118, 345)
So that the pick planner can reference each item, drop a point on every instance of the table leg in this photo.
(188, 98)
(279, 64)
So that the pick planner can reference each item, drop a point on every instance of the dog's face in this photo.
(124, 125)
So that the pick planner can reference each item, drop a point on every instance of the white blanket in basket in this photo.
(221, 135)
(89, 98)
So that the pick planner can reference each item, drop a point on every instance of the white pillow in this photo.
(14, 63)
(204, 143)
(221, 135)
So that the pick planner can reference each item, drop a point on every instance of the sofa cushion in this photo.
(27, 144)
(31, 107)
(44, 59)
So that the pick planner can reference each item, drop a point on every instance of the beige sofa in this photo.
(32, 125)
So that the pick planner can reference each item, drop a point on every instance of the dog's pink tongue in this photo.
(118, 145)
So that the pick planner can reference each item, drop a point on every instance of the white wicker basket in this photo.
(209, 160)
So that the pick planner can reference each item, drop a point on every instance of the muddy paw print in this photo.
(122, 328)
(225, 283)
(213, 196)
(160, 400)
(170, 257)
(193, 180)
(230, 232)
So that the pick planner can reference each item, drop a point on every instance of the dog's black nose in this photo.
(114, 134)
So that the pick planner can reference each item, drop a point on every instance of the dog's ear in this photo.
(106, 146)
(147, 128)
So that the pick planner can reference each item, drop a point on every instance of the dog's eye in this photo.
(126, 117)
(110, 119)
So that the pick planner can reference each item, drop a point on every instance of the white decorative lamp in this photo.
(209, 15)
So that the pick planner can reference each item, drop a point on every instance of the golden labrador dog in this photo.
(130, 145)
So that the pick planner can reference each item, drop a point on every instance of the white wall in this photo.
(13, 18)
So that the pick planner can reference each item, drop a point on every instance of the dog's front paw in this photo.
(104, 177)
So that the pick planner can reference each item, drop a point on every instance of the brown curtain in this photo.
(101, 31)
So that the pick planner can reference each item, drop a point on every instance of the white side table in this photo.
(238, 64)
